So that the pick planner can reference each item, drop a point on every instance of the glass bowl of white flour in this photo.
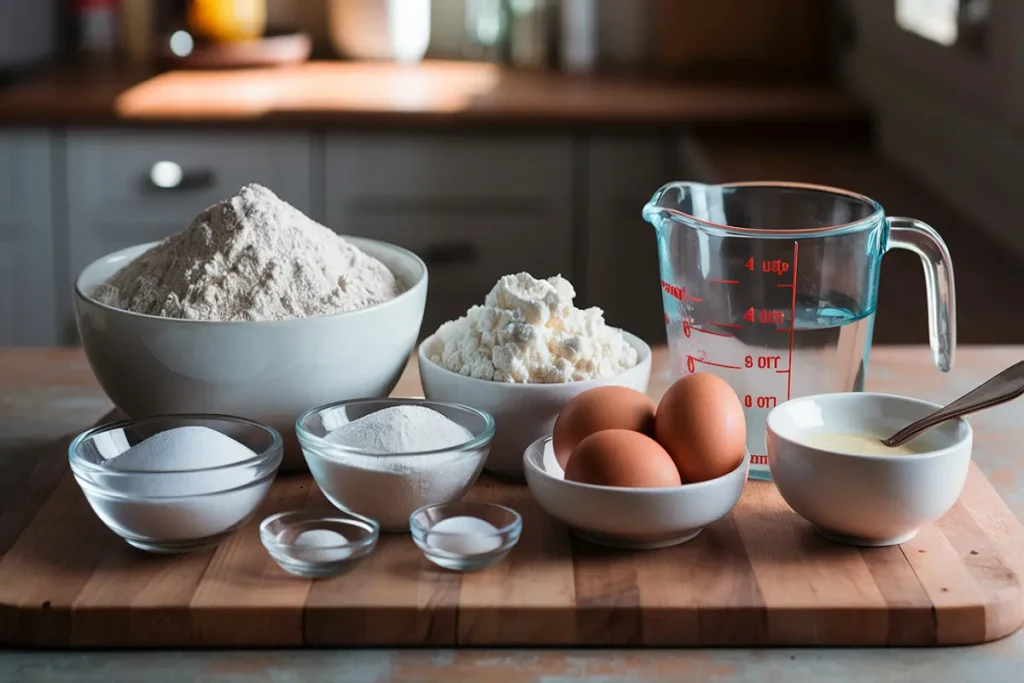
(176, 483)
(385, 458)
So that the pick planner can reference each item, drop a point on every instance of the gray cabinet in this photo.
(621, 248)
(474, 208)
(130, 187)
(113, 201)
(27, 296)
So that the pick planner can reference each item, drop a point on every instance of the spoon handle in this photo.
(1006, 386)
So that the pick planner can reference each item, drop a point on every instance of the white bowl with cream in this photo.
(852, 490)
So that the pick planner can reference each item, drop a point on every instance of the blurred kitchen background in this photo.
(494, 136)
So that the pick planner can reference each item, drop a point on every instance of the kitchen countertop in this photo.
(45, 393)
(433, 93)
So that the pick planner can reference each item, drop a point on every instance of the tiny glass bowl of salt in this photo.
(176, 483)
(465, 536)
(384, 458)
(318, 543)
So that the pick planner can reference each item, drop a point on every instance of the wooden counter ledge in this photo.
(433, 93)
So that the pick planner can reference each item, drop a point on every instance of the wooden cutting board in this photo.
(759, 577)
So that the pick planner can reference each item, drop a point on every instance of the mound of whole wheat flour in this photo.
(250, 257)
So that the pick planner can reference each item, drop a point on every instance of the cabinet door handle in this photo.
(450, 254)
(168, 176)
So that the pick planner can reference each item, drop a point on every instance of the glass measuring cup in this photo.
(772, 286)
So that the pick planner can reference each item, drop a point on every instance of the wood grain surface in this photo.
(436, 92)
(758, 577)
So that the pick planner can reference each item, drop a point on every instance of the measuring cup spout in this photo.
(681, 199)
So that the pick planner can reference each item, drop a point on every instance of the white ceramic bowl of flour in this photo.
(269, 372)
(164, 500)
(524, 412)
(388, 487)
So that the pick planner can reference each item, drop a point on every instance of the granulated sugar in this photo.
(156, 499)
(387, 488)
(183, 448)
(250, 257)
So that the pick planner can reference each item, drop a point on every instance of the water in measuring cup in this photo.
(767, 363)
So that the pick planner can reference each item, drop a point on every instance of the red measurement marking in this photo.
(715, 334)
(758, 459)
(760, 401)
(785, 285)
(778, 266)
(792, 329)
(764, 315)
(738, 327)
(782, 372)
(690, 360)
(762, 362)
(724, 282)
(687, 327)
(677, 292)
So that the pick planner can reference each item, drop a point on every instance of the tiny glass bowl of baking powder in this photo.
(176, 483)
(384, 458)
(467, 535)
(318, 543)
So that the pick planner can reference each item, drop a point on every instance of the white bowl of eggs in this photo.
(622, 471)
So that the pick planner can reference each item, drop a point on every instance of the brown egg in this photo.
(700, 423)
(597, 409)
(620, 457)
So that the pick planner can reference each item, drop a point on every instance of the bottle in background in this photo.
(578, 45)
(97, 29)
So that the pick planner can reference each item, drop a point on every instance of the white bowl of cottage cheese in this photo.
(252, 310)
(524, 354)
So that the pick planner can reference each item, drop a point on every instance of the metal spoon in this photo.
(1006, 386)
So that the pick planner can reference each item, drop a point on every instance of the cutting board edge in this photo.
(53, 625)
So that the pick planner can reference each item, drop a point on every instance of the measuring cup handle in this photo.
(921, 238)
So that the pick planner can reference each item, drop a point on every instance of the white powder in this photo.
(464, 536)
(182, 448)
(320, 545)
(319, 538)
(250, 257)
(529, 331)
(175, 505)
(401, 429)
(388, 488)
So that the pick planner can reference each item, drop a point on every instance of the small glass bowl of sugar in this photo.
(318, 543)
(176, 483)
(465, 536)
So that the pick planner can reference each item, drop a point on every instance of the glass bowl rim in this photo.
(275, 451)
(516, 523)
(477, 442)
(364, 544)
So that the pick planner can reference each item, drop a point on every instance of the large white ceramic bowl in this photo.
(635, 518)
(269, 372)
(522, 413)
(867, 500)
